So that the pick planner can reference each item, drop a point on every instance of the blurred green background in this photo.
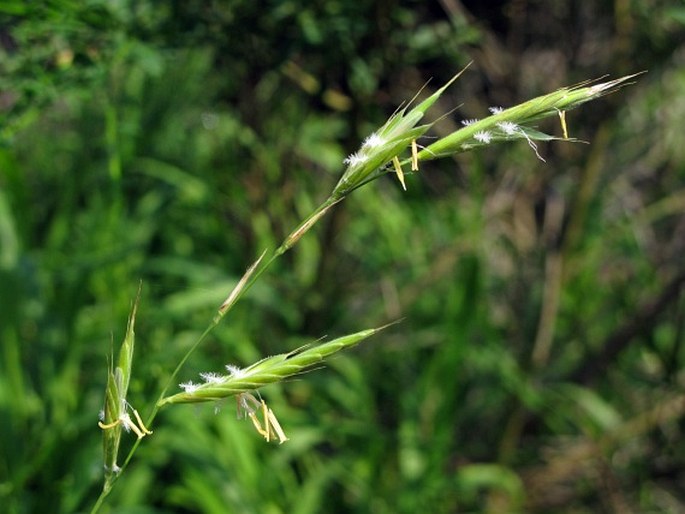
(538, 367)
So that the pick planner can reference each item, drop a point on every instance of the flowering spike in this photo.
(266, 371)
(385, 144)
(114, 415)
(522, 115)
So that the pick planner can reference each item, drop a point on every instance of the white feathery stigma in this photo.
(354, 159)
(483, 136)
(189, 387)
(126, 421)
(373, 141)
(211, 378)
(235, 371)
(508, 127)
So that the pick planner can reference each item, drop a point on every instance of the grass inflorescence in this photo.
(267, 371)
(381, 152)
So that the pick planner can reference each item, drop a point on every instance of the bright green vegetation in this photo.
(538, 364)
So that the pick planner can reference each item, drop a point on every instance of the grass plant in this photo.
(388, 150)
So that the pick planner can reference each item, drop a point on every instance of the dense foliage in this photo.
(537, 368)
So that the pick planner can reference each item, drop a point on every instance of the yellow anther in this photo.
(107, 426)
(140, 429)
(142, 426)
(269, 427)
(398, 170)
(277, 427)
(414, 156)
(562, 118)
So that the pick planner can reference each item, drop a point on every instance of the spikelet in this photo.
(115, 416)
(266, 371)
(380, 148)
(514, 123)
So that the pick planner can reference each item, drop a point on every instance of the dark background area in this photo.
(539, 364)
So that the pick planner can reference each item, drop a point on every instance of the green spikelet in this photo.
(510, 124)
(389, 141)
(266, 371)
(115, 407)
